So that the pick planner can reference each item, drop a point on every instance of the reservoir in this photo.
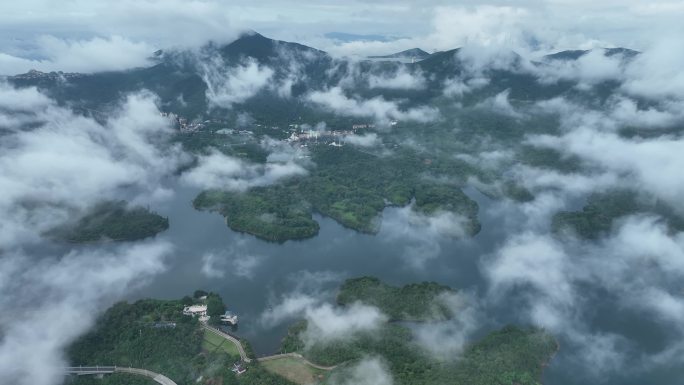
(253, 275)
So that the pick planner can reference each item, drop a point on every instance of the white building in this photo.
(229, 317)
(195, 310)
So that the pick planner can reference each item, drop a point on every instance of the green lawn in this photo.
(213, 343)
(294, 370)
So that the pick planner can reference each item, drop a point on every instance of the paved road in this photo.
(83, 370)
(158, 378)
(88, 370)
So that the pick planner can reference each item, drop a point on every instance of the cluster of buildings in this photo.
(201, 312)
(331, 137)
(230, 131)
(300, 133)
(182, 123)
(362, 126)
(35, 74)
(189, 127)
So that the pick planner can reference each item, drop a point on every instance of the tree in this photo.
(215, 306)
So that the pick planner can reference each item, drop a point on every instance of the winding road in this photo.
(95, 370)
(163, 380)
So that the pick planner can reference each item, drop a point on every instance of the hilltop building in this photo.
(195, 310)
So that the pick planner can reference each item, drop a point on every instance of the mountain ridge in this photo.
(179, 78)
(412, 53)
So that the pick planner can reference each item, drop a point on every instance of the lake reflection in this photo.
(252, 275)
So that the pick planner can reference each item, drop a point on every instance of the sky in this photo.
(87, 35)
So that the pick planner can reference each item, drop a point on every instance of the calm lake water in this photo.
(338, 252)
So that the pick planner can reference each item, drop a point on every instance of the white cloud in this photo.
(431, 25)
(369, 371)
(367, 140)
(210, 266)
(484, 25)
(327, 323)
(478, 59)
(550, 279)
(219, 171)
(532, 260)
(235, 261)
(55, 165)
(378, 108)
(287, 309)
(55, 300)
(456, 87)
(421, 232)
(92, 55)
(658, 72)
(652, 163)
(592, 68)
(62, 161)
(227, 85)
(500, 103)
(447, 339)
(401, 79)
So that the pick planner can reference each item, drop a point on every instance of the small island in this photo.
(350, 186)
(413, 302)
(597, 217)
(511, 355)
(274, 213)
(113, 221)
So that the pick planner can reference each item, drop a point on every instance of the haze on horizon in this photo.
(87, 36)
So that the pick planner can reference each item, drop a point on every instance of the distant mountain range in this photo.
(576, 54)
(177, 77)
(349, 37)
(413, 53)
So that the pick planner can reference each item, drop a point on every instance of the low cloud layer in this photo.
(369, 371)
(367, 140)
(423, 233)
(378, 108)
(236, 261)
(54, 161)
(219, 171)
(447, 339)
(311, 300)
(325, 322)
(227, 85)
(56, 299)
(552, 282)
(93, 55)
(55, 165)
(401, 79)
